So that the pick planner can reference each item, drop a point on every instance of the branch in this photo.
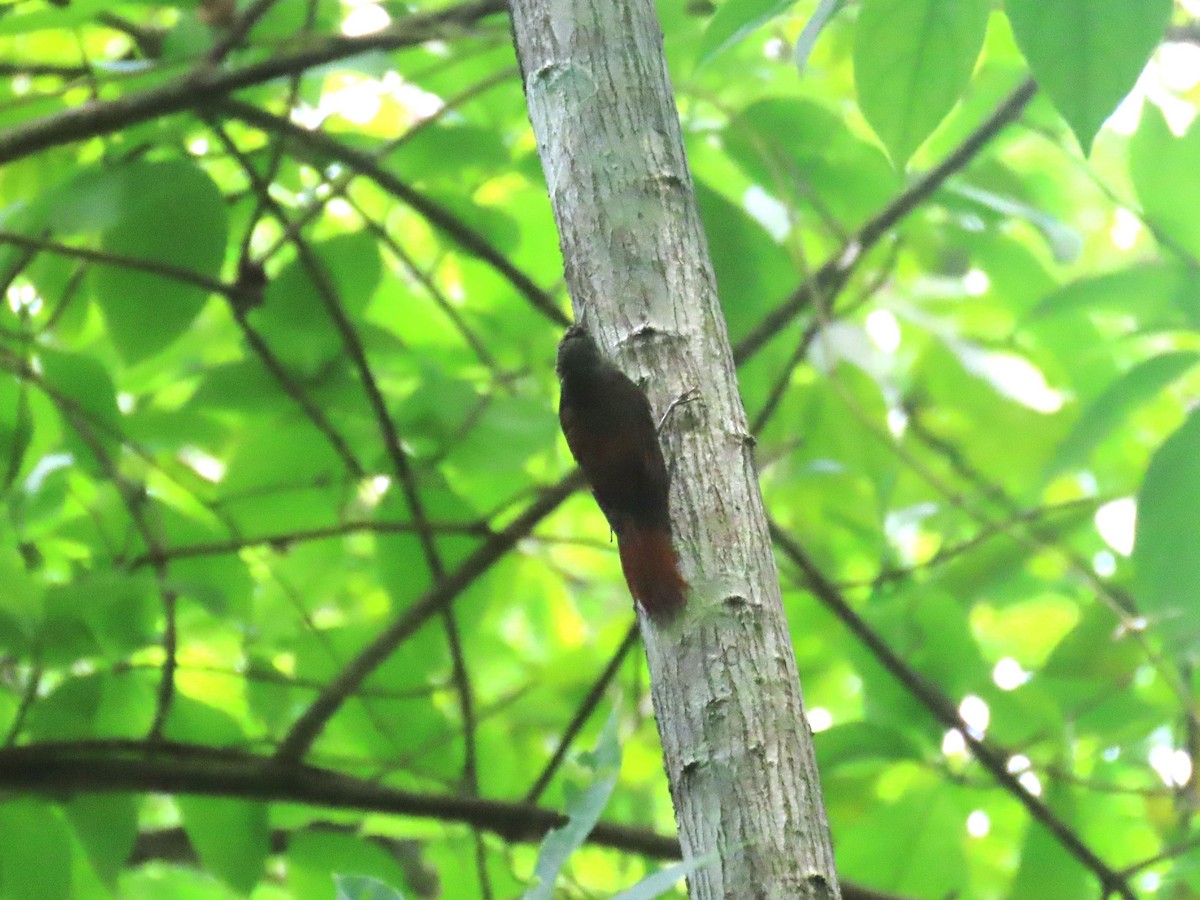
(240, 28)
(52, 769)
(36, 68)
(166, 270)
(986, 533)
(285, 538)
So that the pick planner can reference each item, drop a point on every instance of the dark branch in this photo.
(282, 539)
(586, 708)
(166, 270)
(57, 769)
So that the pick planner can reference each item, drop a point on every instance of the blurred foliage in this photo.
(214, 316)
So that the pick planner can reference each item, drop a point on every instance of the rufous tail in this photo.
(652, 570)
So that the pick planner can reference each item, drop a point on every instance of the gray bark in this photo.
(737, 747)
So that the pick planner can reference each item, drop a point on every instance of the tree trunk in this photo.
(726, 695)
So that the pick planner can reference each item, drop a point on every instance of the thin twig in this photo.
(435, 293)
(240, 28)
(284, 539)
(988, 532)
(28, 696)
(277, 150)
(811, 331)
(284, 378)
(101, 257)
(590, 701)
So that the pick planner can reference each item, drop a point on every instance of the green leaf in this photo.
(912, 61)
(1087, 54)
(127, 704)
(1027, 629)
(16, 429)
(106, 825)
(583, 810)
(1151, 293)
(925, 856)
(456, 153)
(21, 597)
(193, 721)
(1166, 550)
(232, 837)
(218, 581)
(172, 213)
(1065, 242)
(1166, 171)
(856, 741)
(272, 452)
(89, 202)
(312, 854)
(35, 855)
(119, 609)
(68, 712)
(1047, 869)
(734, 20)
(268, 694)
(295, 316)
(87, 402)
(1090, 658)
(44, 18)
(489, 463)
(284, 21)
(403, 567)
(748, 263)
(1112, 409)
(967, 384)
(186, 41)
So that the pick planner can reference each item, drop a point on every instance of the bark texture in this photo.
(737, 747)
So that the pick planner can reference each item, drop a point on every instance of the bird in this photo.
(610, 430)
